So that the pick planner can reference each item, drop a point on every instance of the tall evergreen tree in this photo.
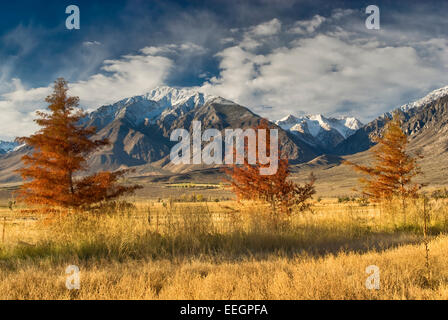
(60, 149)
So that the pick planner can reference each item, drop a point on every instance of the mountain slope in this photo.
(163, 103)
(222, 114)
(430, 97)
(134, 126)
(7, 146)
(139, 129)
(415, 118)
(136, 143)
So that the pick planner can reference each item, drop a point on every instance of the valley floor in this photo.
(222, 250)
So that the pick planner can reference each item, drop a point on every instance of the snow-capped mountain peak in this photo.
(287, 122)
(161, 103)
(433, 95)
(314, 124)
(168, 96)
(320, 131)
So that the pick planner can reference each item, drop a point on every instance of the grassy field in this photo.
(224, 250)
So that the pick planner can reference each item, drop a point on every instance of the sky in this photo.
(276, 57)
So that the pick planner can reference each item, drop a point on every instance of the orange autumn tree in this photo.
(248, 183)
(392, 173)
(60, 149)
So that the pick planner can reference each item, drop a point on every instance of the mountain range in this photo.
(319, 131)
(419, 118)
(139, 129)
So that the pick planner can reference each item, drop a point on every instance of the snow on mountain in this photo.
(8, 146)
(319, 126)
(430, 97)
(434, 95)
(167, 97)
(316, 124)
(162, 103)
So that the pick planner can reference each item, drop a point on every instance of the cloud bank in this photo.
(125, 77)
(320, 66)
(328, 64)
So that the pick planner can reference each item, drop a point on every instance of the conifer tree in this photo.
(393, 169)
(60, 149)
(248, 183)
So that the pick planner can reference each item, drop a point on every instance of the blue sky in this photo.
(276, 57)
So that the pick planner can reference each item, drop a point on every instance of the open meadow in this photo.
(189, 248)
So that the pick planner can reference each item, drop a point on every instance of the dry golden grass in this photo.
(226, 251)
(340, 276)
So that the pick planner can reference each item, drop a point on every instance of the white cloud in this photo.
(329, 65)
(170, 49)
(228, 40)
(249, 43)
(341, 13)
(266, 29)
(128, 76)
(17, 109)
(339, 71)
(260, 34)
(307, 26)
(192, 47)
(131, 75)
(91, 43)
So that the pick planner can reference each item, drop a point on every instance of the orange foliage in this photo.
(247, 182)
(394, 169)
(60, 149)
